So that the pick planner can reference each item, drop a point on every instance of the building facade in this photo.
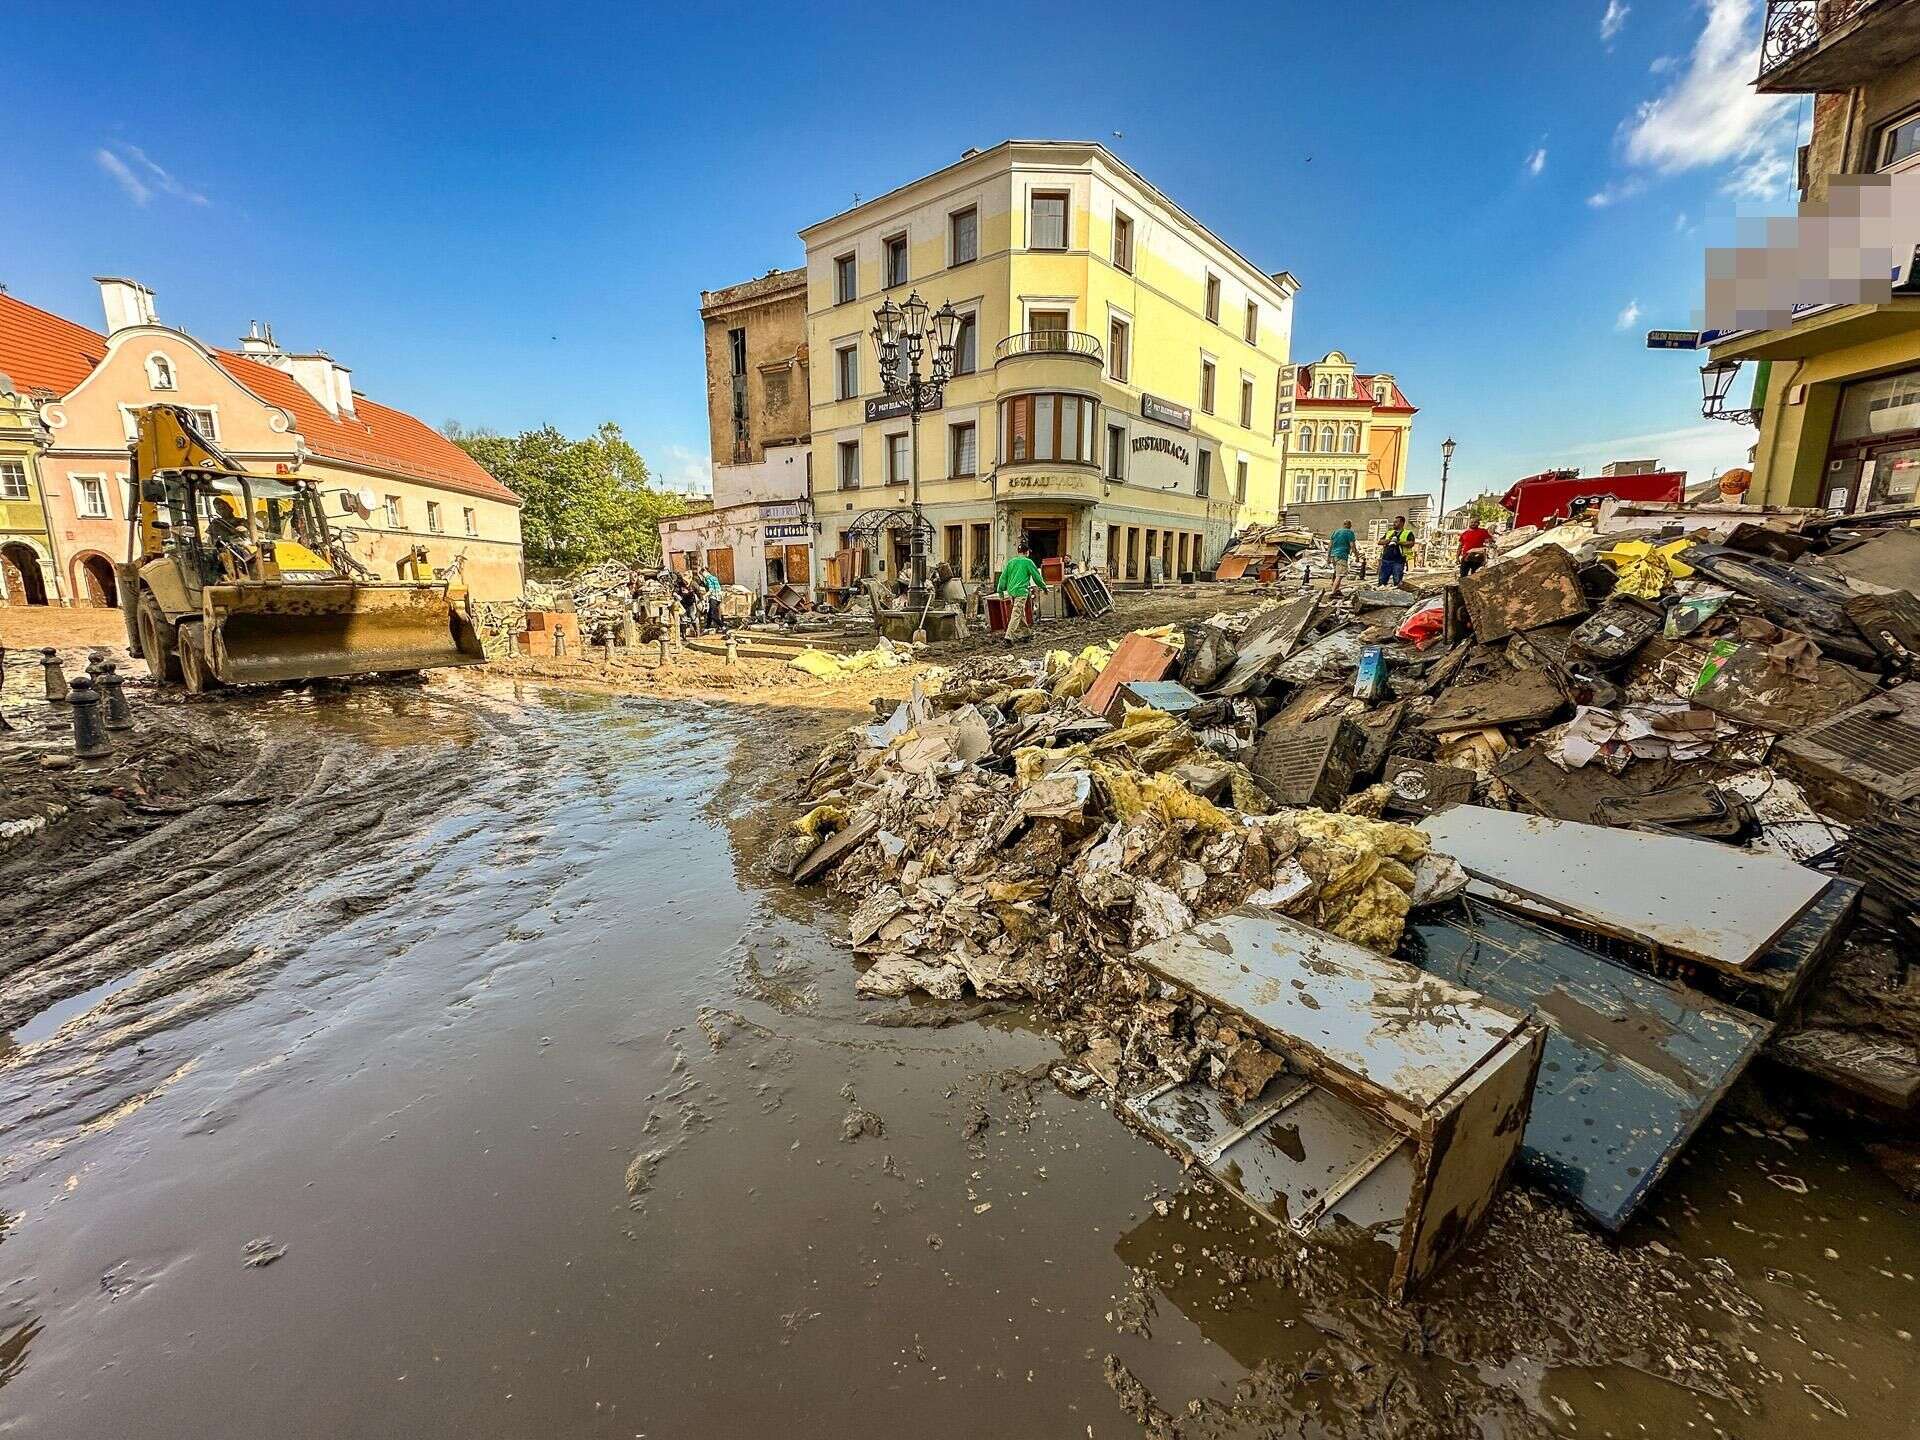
(758, 532)
(1838, 388)
(274, 412)
(1344, 435)
(29, 573)
(1117, 366)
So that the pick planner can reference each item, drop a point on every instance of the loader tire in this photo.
(195, 669)
(157, 646)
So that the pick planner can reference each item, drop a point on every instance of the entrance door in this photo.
(21, 582)
(1045, 539)
(721, 563)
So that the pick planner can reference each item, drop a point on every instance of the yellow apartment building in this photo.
(1118, 367)
(1344, 435)
(29, 572)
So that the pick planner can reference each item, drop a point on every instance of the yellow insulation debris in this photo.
(821, 821)
(1162, 795)
(1363, 869)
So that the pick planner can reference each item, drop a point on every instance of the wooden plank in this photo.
(1136, 658)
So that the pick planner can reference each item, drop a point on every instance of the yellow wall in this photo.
(24, 522)
(1790, 458)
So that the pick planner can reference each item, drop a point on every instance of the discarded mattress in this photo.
(1633, 1064)
(1404, 1104)
(1694, 898)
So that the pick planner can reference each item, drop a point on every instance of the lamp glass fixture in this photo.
(914, 318)
(1716, 378)
(1446, 448)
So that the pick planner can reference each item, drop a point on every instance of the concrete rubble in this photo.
(1021, 832)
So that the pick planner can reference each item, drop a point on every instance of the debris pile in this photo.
(602, 595)
(1693, 725)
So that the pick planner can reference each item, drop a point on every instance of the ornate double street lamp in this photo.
(903, 337)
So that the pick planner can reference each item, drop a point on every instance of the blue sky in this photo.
(505, 215)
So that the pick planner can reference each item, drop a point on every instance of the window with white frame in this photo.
(849, 465)
(159, 372)
(393, 512)
(899, 465)
(1300, 485)
(470, 519)
(1899, 143)
(13, 480)
(1213, 298)
(1339, 387)
(845, 288)
(1350, 439)
(90, 496)
(1206, 386)
(1047, 225)
(1246, 402)
(1323, 485)
(896, 257)
(1119, 348)
(433, 516)
(1123, 242)
(1346, 485)
(1380, 393)
(1305, 447)
(1322, 388)
(1253, 322)
(1240, 483)
(206, 423)
(963, 236)
(846, 372)
(1326, 438)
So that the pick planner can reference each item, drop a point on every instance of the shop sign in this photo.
(800, 531)
(785, 510)
(1053, 484)
(1152, 407)
(897, 407)
(1159, 459)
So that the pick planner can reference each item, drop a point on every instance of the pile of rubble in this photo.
(1664, 759)
(602, 595)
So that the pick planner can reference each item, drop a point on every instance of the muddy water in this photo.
(568, 1127)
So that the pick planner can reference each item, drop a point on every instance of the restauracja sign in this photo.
(1160, 445)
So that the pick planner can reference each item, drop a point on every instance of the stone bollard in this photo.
(94, 661)
(733, 650)
(89, 726)
(56, 677)
(114, 691)
(663, 649)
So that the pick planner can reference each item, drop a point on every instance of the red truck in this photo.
(1549, 497)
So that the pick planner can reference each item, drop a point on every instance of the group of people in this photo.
(1396, 545)
(697, 591)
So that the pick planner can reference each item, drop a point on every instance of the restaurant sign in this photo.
(1166, 412)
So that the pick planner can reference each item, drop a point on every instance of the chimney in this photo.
(343, 389)
(258, 344)
(315, 374)
(126, 302)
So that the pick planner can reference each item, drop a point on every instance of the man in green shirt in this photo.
(1021, 578)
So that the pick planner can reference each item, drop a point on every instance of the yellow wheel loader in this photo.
(234, 578)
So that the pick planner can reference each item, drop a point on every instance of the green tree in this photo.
(581, 501)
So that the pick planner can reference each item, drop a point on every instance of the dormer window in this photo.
(1380, 393)
(159, 372)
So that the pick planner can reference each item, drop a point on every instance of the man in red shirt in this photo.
(1474, 541)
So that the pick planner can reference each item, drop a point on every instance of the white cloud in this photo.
(1711, 113)
(1537, 160)
(1766, 176)
(1614, 19)
(1615, 191)
(687, 471)
(1703, 451)
(1680, 223)
(1624, 320)
(127, 180)
(1660, 64)
(141, 176)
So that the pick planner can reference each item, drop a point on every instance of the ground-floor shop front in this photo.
(763, 545)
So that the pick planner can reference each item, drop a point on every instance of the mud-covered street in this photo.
(452, 1068)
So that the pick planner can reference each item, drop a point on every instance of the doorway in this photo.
(21, 582)
(97, 581)
(1045, 539)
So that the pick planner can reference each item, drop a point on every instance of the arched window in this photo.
(1380, 393)
(159, 372)
(1306, 439)
(1323, 388)
(1350, 439)
(1339, 387)
(1326, 438)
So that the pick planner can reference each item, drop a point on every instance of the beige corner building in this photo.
(1119, 367)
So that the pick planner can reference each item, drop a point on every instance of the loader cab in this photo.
(219, 528)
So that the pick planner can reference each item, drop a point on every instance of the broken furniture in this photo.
(1694, 899)
(1166, 695)
(1402, 1107)
(1535, 589)
(1087, 594)
(1137, 657)
(1633, 1063)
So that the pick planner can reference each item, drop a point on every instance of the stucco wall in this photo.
(773, 312)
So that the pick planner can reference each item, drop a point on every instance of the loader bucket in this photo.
(259, 633)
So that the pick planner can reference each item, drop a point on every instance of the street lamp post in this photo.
(904, 335)
(1446, 463)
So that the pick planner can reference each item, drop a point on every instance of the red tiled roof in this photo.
(41, 351)
(378, 437)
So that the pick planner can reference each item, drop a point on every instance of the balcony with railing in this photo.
(1071, 343)
(1813, 46)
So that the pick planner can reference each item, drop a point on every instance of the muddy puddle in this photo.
(535, 1113)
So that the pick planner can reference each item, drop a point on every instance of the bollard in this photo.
(94, 661)
(89, 726)
(733, 651)
(56, 677)
(114, 691)
(663, 648)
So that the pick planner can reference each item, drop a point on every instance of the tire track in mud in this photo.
(118, 956)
